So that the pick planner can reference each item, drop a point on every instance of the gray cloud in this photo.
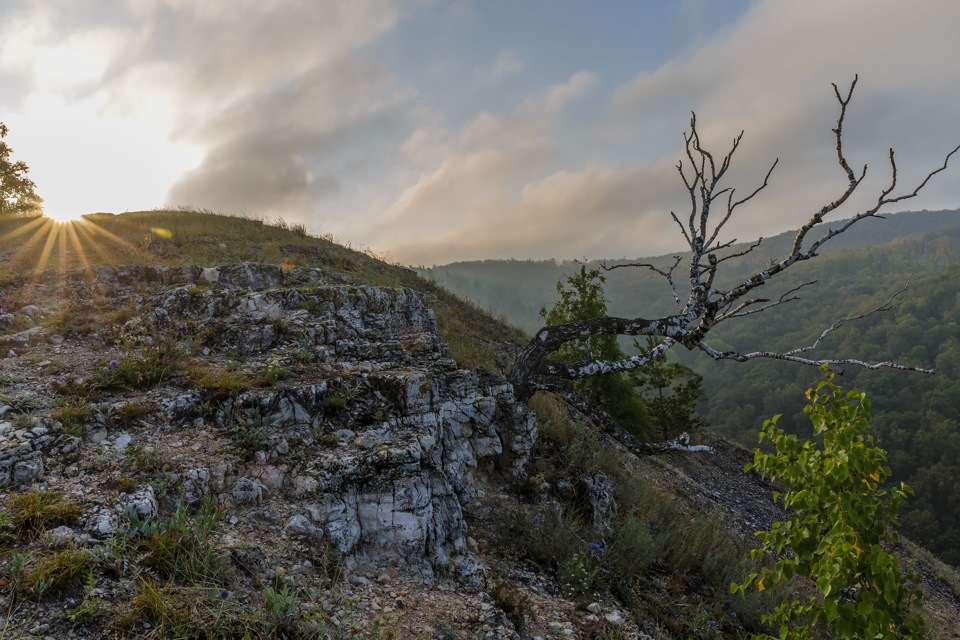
(769, 74)
(281, 153)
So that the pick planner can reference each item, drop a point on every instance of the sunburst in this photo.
(44, 237)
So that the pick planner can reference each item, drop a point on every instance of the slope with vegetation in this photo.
(133, 379)
(915, 414)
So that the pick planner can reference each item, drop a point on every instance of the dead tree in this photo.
(701, 305)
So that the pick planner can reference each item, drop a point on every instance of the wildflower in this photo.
(596, 548)
(114, 364)
(536, 519)
(712, 623)
(733, 614)
(224, 594)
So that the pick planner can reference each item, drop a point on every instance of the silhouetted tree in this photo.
(18, 194)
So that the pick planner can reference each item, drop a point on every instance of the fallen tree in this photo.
(702, 306)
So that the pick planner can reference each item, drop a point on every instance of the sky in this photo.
(431, 131)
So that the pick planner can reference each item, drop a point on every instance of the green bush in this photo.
(840, 526)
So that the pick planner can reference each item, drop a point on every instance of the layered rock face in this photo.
(329, 411)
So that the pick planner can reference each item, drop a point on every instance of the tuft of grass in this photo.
(33, 512)
(181, 548)
(222, 382)
(176, 611)
(75, 389)
(56, 573)
(150, 461)
(247, 439)
(131, 412)
(74, 415)
(142, 370)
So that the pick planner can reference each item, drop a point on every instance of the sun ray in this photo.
(78, 249)
(112, 236)
(89, 234)
(34, 239)
(22, 229)
(62, 248)
(26, 294)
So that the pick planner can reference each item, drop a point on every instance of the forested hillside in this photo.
(917, 416)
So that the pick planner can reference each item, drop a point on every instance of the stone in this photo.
(246, 491)
(142, 503)
(302, 525)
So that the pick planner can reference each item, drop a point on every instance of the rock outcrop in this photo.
(330, 411)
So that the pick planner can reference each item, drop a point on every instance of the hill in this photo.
(915, 414)
(224, 428)
(517, 289)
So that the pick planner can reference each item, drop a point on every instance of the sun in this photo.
(63, 216)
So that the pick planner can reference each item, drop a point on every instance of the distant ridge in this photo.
(517, 289)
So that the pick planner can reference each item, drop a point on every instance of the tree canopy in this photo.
(18, 195)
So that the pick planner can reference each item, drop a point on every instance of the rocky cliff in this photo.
(327, 412)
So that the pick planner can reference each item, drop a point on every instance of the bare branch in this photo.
(741, 310)
(668, 274)
(744, 357)
(838, 323)
(731, 206)
(792, 356)
(705, 306)
(741, 253)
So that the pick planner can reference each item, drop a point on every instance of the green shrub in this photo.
(839, 527)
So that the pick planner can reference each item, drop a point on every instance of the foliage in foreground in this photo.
(839, 528)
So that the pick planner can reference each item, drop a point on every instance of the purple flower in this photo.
(224, 594)
(712, 623)
(596, 548)
(114, 364)
(733, 614)
(536, 519)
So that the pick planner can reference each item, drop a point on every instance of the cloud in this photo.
(273, 99)
(507, 64)
(465, 193)
(603, 183)
(281, 152)
(770, 75)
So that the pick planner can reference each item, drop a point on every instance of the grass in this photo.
(181, 548)
(73, 415)
(221, 382)
(141, 369)
(57, 572)
(662, 561)
(130, 412)
(190, 611)
(32, 512)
